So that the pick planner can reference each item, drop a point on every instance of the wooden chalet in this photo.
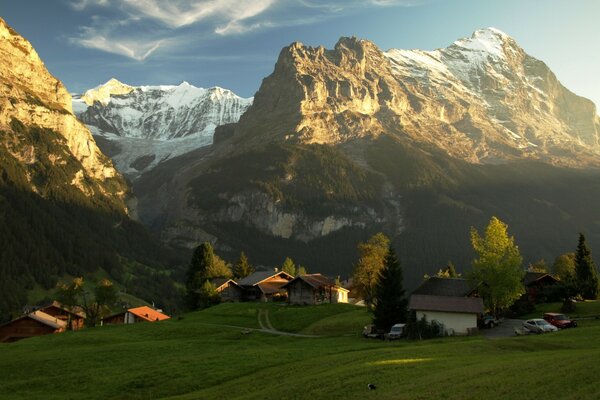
(315, 289)
(36, 323)
(265, 286)
(228, 290)
(535, 284)
(73, 316)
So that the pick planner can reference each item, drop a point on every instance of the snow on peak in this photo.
(103, 92)
(489, 40)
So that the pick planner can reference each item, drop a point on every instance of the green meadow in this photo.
(218, 354)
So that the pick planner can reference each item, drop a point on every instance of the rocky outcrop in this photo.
(31, 95)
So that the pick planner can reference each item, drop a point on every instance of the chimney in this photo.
(276, 269)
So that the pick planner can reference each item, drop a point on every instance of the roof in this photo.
(436, 286)
(271, 287)
(147, 313)
(532, 277)
(218, 282)
(47, 319)
(260, 276)
(314, 280)
(469, 305)
(76, 310)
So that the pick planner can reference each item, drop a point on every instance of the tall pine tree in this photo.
(390, 304)
(242, 267)
(197, 274)
(587, 276)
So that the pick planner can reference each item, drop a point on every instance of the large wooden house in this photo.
(265, 286)
(536, 283)
(36, 323)
(315, 289)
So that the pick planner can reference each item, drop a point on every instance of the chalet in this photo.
(535, 284)
(73, 316)
(265, 286)
(143, 314)
(449, 302)
(314, 289)
(36, 323)
(228, 289)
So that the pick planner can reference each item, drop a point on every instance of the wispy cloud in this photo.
(138, 28)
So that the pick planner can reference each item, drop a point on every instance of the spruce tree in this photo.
(242, 267)
(289, 266)
(587, 276)
(197, 273)
(390, 304)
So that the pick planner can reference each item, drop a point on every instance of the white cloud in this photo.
(164, 23)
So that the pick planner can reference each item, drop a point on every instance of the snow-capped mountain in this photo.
(148, 124)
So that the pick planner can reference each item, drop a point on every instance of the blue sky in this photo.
(234, 43)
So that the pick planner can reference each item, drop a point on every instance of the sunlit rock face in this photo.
(146, 125)
(482, 99)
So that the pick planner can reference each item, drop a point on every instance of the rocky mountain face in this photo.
(62, 202)
(341, 143)
(143, 126)
(30, 95)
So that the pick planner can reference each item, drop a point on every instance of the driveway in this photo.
(505, 329)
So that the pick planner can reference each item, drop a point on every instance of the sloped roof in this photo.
(314, 280)
(271, 287)
(47, 319)
(78, 311)
(218, 282)
(469, 305)
(531, 277)
(436, 286)
(259, 276)
(147, 313)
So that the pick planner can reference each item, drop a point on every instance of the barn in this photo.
(33, 324)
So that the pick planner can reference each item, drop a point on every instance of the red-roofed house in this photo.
(143, 314)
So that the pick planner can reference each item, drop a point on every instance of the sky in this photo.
(235, 43)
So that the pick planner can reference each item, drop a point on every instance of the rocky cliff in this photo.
(30, 95)
(341, 143)
(145, 125)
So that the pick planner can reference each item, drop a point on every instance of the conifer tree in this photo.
(587, 276)
(197, 273)
(242, 267)
(289, 266)
(390, 304)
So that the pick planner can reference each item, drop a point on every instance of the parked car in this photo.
(538, 325)
(489, 321)
(561, 321)
(371, 331)
(395, 332)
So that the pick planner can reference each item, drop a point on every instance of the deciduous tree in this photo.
(289, 266)
(370, 262)
(95, 304)
(497, 271)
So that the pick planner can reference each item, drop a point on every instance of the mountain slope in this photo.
(63, 207)
(341, 143)
(142, 126)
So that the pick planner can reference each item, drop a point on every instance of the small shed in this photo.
(228, 289)
(36, 323)
(458, 315)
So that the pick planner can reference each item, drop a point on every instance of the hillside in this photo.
(339, 144)
(63, 207)
(192, 358)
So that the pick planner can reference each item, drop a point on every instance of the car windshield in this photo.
(561, 318)
(541, 322)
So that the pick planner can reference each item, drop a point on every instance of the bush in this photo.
(422, 329)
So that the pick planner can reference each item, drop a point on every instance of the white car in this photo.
(395, 332)
(538, 325)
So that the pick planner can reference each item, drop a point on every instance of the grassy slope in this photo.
(191, 359)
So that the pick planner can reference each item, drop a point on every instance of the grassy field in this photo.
(583, 309)
(198, 357)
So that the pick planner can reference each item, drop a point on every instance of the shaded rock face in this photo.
(482, 99)
(156, 122)
(31, 95)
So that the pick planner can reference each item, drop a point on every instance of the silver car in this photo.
(538, 325)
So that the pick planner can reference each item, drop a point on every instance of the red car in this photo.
(560, 321)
